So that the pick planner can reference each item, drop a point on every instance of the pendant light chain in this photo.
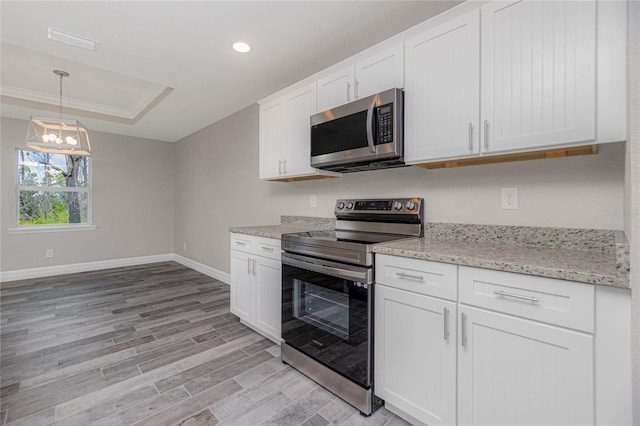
(60, 95)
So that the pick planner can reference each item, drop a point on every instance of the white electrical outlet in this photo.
(509, 199)
(313, 202)
(49, 253)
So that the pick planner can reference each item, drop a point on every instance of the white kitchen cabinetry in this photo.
(336, 89)
(538, 74)
(516, 76)
(379, 72)
(256, 283)
(521, 359)
(285, 136)
(415, 340)
(518, 372)
(511, 349)
(442, 96)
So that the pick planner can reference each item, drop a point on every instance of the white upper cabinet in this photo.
(336, 89)
(285, 130)
(442, 96)
(272, 138)
(376, 73)
(299, 105)
(380, 72)
(538, 74)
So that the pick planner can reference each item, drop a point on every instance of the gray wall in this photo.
(217, 187)
(132, 204)
(632, 194)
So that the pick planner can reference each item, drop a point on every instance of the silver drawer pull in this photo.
(413, 277)
(240, 243)
(266, 248)
(516, 296)
(463, 331)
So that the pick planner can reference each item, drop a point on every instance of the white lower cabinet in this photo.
(471, 346)
(256, 283)
(513, 371)
(415, 355)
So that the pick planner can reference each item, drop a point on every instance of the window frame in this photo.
(88, 189)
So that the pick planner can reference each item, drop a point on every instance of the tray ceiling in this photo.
(164, 70)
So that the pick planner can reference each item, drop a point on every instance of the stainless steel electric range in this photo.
(328, 293)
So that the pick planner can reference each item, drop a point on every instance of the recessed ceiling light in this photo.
(72, 39)
(241, 47)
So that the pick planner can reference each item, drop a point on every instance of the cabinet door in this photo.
(300, 105)
(272, 138)
(517, 372)
(335, 89)
(268, 297)
(380, 72)
(538, 74)
(415, 368)
(442, 95)
(242, 285)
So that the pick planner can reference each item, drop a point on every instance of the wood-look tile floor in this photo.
(148, 345)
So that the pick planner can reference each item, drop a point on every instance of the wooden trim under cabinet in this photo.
(520, 156)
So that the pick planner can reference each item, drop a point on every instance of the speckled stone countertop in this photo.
(583, 255)
(288, 225)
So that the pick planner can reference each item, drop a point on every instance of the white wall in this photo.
(132, 204)
(217, 187)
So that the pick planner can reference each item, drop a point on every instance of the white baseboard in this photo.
(202, 268)
(47, 271)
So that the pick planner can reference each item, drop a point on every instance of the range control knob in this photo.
(349, 205)
(398, 205)
(341, 205)
(411, 205)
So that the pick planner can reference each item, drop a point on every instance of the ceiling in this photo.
(165, 69)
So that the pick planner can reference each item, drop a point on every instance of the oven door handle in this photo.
(362, 275)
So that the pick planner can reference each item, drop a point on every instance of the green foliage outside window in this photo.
(52, 188)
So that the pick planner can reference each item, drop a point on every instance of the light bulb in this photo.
(58, 141)
(71, 141)
(241, 47)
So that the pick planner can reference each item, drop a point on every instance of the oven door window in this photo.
(328, 319)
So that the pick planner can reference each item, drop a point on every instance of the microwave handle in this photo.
(370, 141)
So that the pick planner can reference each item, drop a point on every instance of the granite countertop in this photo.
(589, 256)
(288, 225)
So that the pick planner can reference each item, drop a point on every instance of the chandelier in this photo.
(58, 135)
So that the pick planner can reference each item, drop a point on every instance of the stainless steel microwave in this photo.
(366, 134)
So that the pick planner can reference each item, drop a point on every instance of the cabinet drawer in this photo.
(564, 303)
(419, 276)
(268, 247)
(241, 242)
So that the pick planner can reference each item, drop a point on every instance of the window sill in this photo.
(36, 229)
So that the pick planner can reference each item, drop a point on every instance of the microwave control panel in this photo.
(385, 124)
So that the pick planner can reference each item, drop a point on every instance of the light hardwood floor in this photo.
(148, 345)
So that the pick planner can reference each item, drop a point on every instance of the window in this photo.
(53, 189)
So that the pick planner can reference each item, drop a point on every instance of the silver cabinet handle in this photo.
(470, 136)
(248, 266)
(355, 89)
(254, 266)
(413, 277)
(463, 331)
(269, 249)
(446, 323)
(279, 167)
(240, 243)
(516, 296)
(348, 91)
(284, 167)
(486, 134)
